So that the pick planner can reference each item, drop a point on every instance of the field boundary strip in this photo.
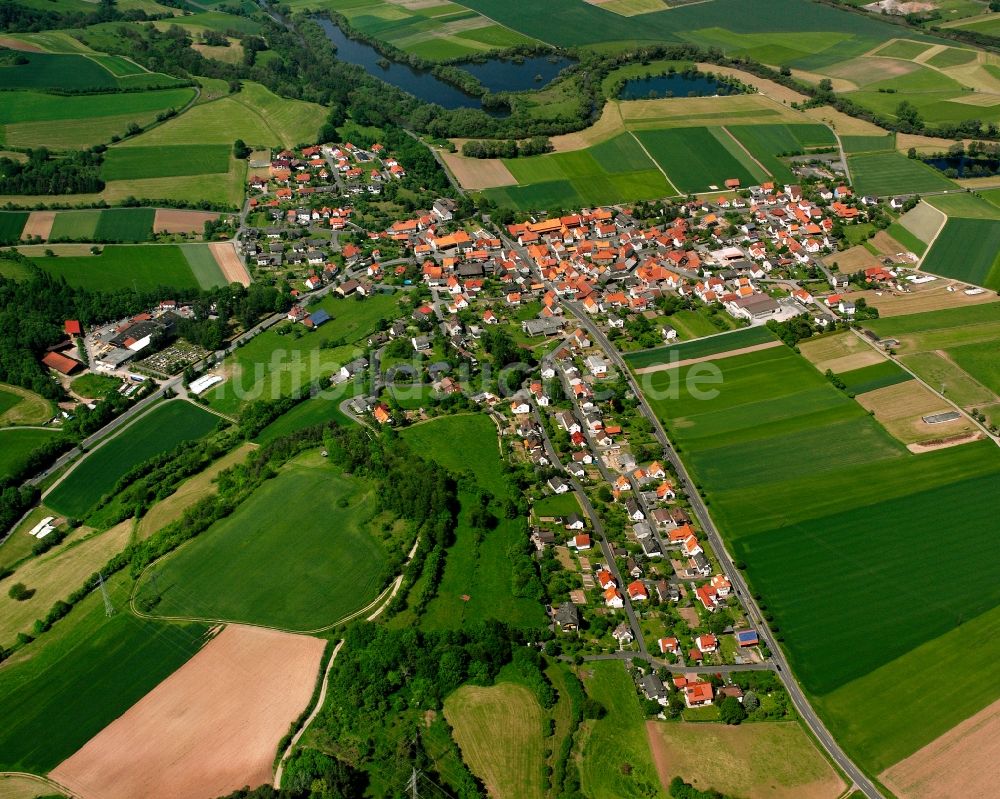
(716, 356)
(750, 155)
(658, 165)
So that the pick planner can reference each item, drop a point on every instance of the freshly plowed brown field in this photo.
(210, 728)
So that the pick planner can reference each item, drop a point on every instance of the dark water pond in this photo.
(499, 75)
(495, 74)
(674, 84)
(964, 166)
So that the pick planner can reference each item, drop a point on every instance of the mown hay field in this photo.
(499, 730)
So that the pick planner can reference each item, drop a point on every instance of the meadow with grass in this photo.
(124, 266)
(289, 358)
(967, 249)
(800, 478)
(616, 170)
(332, 552)
(616, 739)
(17, 443)
(886, 173)
(477, 583)
(155, 432)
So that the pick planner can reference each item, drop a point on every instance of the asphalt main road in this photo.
(736, 577)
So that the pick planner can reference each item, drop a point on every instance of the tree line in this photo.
(73, 172)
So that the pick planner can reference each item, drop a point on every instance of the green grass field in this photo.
(93, 385)
(255, 114)
(124, 266)
(27, 116)
(482, 572)
(967, 249)
(331, 563)
(748, 759)
(17, 443)
(616, 739)
(868, 144)
(829, 539)
(11, 225)
(435, 31)
(163, 428)
(87, 671)
(711, 345)
(129, 163)
(790, 32)
(894, 173)
(906, 238)
(613, 171)
(125, 224)
(965, 206)
(313, 411)
(870, 378)
(981, 362)
(767, 142)
(902, 48)
(75, 225)
(275, 364)
(558, 505)
(698, 158)
(74, 71)
(203, 264)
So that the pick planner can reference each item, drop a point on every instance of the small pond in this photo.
(675, 84)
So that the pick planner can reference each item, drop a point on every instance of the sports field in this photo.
(228, 572)
(967, 249)
(799, 476)
(157, 431)
(20, 406)
(126, 266)
(89, 670)
(17, 443)
(499, 730)
(893, 173)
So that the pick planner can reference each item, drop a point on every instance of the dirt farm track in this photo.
(210, 728)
